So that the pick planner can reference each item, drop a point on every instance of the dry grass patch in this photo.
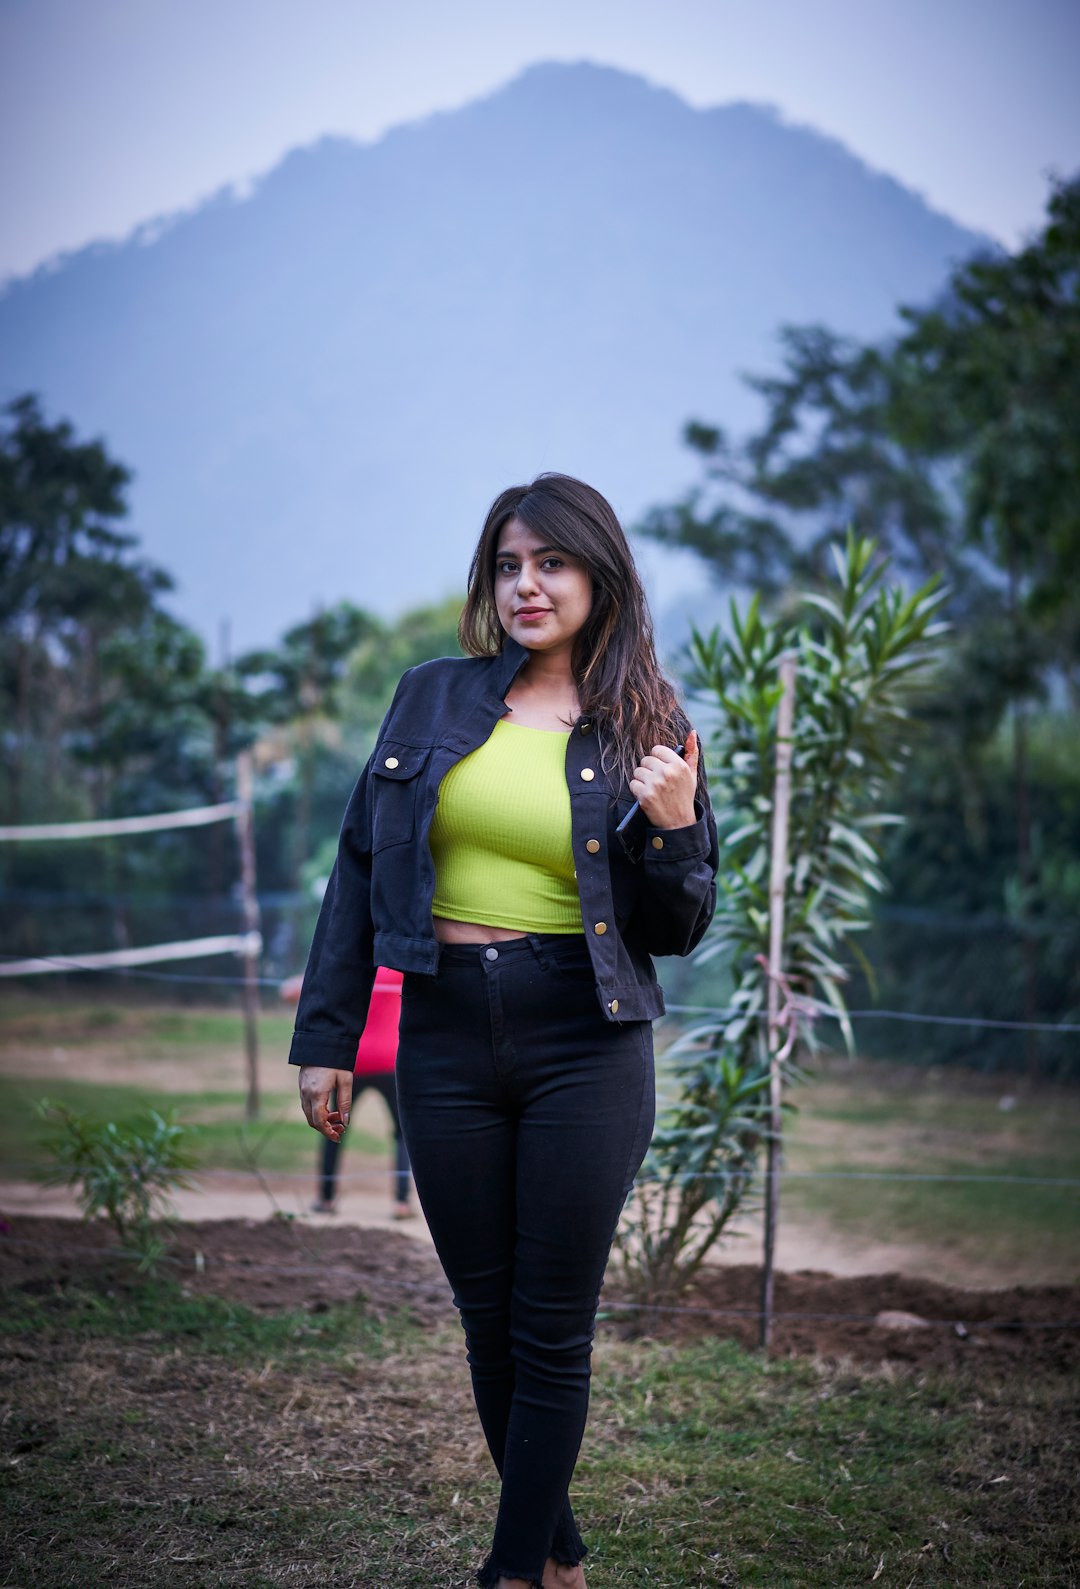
(154, 1438)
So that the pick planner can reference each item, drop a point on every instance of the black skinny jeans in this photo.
(526, 1115)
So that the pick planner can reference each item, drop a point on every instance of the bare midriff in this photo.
(447, 931)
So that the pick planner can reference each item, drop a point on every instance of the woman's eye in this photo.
(553, 562)
(506, 567)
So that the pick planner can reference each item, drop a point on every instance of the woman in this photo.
(479, 855)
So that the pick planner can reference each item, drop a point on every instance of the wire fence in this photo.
(989, 988)
(915, 1177)
(715, 1013)
(136, 910)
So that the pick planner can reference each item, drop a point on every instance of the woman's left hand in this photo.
(665, 783)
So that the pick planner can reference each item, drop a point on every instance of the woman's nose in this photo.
(526, 578)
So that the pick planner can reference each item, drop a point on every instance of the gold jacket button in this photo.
(391, 761)
(592, 845)
(658, 843)
(614, 1006)
(600, 929)
(587, 774)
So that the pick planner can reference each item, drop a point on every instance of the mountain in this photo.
(321, 385)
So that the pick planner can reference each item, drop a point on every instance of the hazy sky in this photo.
(115, 111)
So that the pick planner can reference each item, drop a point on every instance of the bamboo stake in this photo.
(777, 881)
(245, 831)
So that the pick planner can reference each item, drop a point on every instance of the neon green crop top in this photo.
(500, 837)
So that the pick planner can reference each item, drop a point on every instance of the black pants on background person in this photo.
(383, 1083)
(526, 1115)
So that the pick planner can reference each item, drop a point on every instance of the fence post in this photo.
(777, 881)
(245, 830)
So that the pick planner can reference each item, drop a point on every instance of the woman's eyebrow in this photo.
(534, 551)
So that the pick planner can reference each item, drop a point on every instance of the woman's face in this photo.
(543, 596)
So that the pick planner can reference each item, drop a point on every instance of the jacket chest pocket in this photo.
(395, 791)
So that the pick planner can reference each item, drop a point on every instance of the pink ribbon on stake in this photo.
(794, 1008)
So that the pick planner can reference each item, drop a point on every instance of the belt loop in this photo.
(539, 949)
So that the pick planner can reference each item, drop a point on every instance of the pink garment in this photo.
(377, 1052)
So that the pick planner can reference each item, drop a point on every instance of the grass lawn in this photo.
(75, 1021)
(866, 1121)
(187, 1061)
(158, 1439)
(280, 1140)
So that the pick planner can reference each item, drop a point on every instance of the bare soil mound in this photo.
(265, 1264)
(888, 1318)
(276, 1264)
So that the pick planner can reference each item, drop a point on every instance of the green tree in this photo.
(769, 507)
(988, 383)
(956, 445)
(991, 384)
(298, 685)
(378, 662)
(69, 580)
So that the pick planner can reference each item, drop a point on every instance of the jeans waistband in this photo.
(549, 949)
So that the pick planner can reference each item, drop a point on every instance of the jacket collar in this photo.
(508, 664)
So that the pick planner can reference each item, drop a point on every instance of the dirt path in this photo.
(803, 1244)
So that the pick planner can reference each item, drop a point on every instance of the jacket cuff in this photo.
(679, 844)
(328, 1049)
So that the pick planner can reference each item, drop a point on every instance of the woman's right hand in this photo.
(317, 1086)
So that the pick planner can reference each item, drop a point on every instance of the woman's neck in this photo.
(544, 694)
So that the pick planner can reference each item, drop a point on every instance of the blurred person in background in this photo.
(376, 1056)
(532, 827)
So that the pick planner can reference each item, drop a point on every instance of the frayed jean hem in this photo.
(489, 1575)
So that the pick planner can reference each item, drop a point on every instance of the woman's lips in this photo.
(530, 614)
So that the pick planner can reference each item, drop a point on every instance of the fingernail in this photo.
(345, 1119)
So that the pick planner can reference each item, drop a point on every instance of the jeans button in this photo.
(491, 954)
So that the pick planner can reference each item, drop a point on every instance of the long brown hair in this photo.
(618, 678)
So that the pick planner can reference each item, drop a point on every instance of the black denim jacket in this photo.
(646, 892)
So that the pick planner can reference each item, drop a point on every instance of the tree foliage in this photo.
(954, 444)
(989, 381)
(62, 558)
(69, 585)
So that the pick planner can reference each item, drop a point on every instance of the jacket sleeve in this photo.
(340, 971)
(677, 867)
(678, 886)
